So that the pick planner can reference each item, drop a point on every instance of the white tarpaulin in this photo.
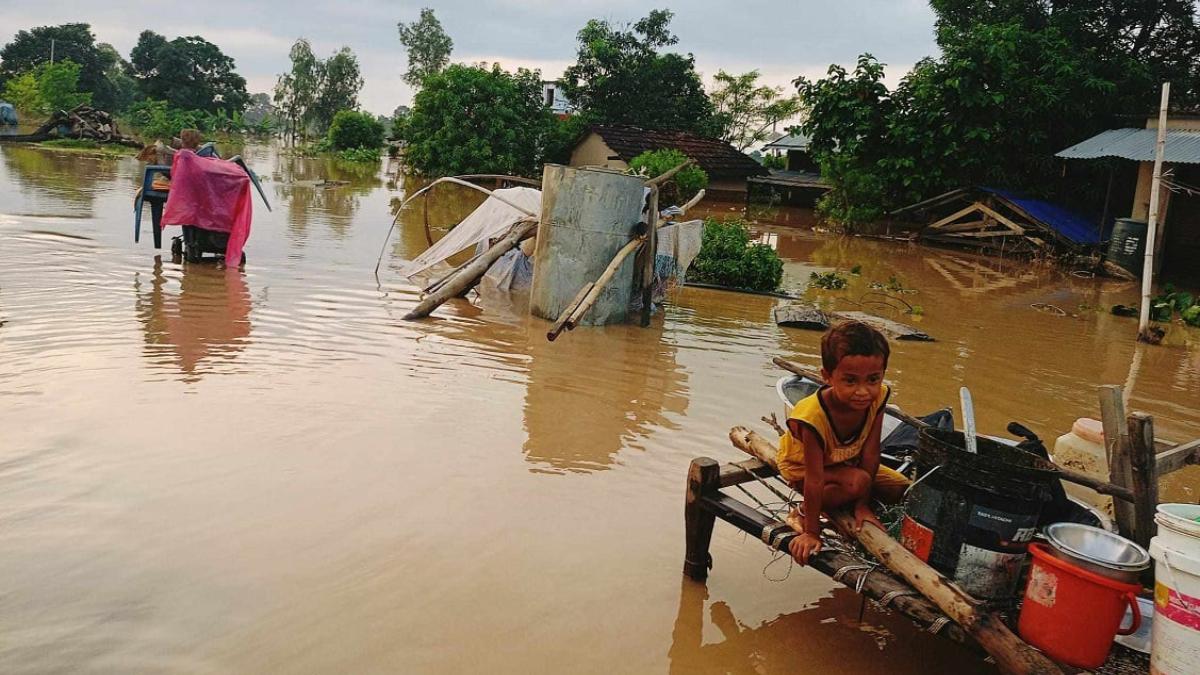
(491, 219)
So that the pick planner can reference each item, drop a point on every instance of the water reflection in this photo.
(823, 638)
(596, 391)
(67, 180)
(322, 191)
(206, 321)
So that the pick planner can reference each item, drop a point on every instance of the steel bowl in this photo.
(1097, 550)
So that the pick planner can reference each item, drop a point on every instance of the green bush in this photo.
(155, 119)
(352, 130)
(689, 181)
(727, 258)
(46, 88)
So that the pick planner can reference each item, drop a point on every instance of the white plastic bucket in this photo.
(1175, 641)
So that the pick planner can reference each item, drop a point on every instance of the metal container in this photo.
(1097, 550)
(1127, 245)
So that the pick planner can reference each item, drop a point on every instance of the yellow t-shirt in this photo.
(810, 412)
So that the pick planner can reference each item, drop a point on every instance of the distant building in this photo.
(795, 147)
(615, 146)
(555, 100)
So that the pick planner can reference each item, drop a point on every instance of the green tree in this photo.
(297, 90)
(73, 42)
(47, 88)
(427, 45)
(848, 115)
(351, 130)
(338, 89)
(621, 78)
(469, 119)
(1136, 44)
(123, 89)
(745, 112)
(189, 73)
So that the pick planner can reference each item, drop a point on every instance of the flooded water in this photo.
(269, 470)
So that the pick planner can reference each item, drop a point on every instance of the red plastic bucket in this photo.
(1072, 614)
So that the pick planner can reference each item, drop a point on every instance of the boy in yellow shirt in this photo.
(831, 450)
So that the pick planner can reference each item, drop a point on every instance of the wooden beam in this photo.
(1176, 458)
(698, 521)
(958, 214)
(1145, 478)
(1007, 221)
(736, 473)
(964, 227)
(990, 233)
(1116, 443)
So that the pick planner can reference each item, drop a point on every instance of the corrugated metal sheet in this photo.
(1068, 223)
(1139, 145)
(792, 142)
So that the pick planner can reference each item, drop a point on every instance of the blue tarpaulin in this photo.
(1066, 222)
(7, 114)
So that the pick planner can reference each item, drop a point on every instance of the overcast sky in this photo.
(780, 39)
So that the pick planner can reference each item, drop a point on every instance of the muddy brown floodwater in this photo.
(270, 471)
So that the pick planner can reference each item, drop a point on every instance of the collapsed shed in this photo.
(996, 221)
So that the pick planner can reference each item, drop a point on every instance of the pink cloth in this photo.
(212, 194)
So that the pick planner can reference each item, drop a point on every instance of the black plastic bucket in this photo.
(972, 516)
(1127, 246)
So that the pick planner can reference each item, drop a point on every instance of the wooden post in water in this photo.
(1145, 476)
(588, 215)
(703, 475)
(1116, 446)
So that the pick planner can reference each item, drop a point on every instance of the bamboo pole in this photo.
(469, 274)
(563, 318)
(597, 286)
(1012, 655)
(1152, 226)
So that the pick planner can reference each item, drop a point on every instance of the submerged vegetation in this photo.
(1171, 302)
(727, 258)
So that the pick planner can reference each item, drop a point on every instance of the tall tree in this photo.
(297, 90)
(46, 88)
(469, 119)
(339, 87)
(122, 88)
(621, 78)
(189, 73)
(71, 41)
(1136, 44)
(427, 45)
(745, 112)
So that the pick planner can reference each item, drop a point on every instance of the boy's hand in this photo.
(864, 514)
(804, 546)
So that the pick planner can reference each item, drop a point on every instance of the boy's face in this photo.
(856, 381)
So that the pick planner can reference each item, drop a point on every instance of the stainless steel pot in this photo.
(1097, 550)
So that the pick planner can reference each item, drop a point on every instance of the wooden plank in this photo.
(964, 227)
(990, 233)
(1145, 478)
(1007, 221)
(958, 214)
(1112, 414)
(736, 473)
(1176, 458)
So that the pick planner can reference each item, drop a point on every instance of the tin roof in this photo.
(1138, 145)
(716, 157)
(791, 142)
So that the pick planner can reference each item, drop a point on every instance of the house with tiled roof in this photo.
(615, 146)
